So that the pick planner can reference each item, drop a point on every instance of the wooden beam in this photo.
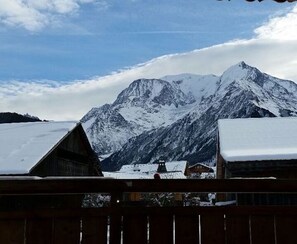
(81, 185)
(62, 153)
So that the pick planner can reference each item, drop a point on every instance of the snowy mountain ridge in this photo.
(146, 104)
(175, 116)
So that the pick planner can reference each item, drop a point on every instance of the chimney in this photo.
(136, 168)
(161, 167)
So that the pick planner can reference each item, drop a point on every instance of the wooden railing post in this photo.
(115, 218)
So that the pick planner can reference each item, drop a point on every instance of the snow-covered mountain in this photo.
(146, 104)
(175, 117)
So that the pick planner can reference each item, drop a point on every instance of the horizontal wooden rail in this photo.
(107, 211)
(121, 223)
(82, 185)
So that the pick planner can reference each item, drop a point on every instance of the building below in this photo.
(46, 149)
(42, 149)
(165, 170)
(258, 148)
(201, 171)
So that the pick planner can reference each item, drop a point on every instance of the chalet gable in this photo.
(46, 149)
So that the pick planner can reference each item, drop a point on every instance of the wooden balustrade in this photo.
(123, 223)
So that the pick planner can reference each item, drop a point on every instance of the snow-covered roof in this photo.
(152, 168)
(258, 139)
(168, 175)
(201, 164)
(175, 170)
(23, 145)
(172, 175)
(176, 166)
(119, 175)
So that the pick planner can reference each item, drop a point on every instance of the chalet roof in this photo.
(23, 145)
(172, 175)
(200, 164)
(120, 175)
(152, 168)
(258, 139)
(168, 175)
(176, 170)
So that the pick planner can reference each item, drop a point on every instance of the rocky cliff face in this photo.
(175, 117)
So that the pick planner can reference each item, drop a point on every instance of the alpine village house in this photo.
(44, 149)
(258, 148)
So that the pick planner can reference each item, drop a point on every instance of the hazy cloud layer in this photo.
(273, 50)
(34, 15)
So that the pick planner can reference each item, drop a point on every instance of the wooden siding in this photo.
(220, 174)
(199, 168)
(281, 169)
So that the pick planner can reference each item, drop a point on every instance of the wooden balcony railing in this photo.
(122, 223)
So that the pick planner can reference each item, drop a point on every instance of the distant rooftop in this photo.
(23, 145)
(258, 139)
(175, 170)
(149, 168)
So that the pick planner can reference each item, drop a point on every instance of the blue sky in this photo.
(60, 58)
(94, 38)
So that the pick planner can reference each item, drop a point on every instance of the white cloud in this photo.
(283, 27)
(13, 12)
(34, 15)
(275, 56)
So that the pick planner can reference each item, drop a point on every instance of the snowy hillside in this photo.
(176, 116)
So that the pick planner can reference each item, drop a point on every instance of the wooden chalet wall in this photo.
(200, 168)
(220, 174)
(280, 169)
(73, 156)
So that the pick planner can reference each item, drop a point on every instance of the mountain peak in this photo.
(239, 67)
(239, 71)
(152, 93)
(144, 89)
(243, 65)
